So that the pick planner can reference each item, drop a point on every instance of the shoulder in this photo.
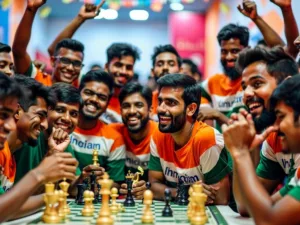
(273, 142)
(119, 127)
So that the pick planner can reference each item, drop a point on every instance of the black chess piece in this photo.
(79, 198)
(167, 211)
(179, 192)
(99, 197)
(86, 184)
(148, 185)
(93, 187)
(129, 201)
(184, 196)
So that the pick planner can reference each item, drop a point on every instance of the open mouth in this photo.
(230, 64)
(255, 106)
(165, 120)
(91, 107)
(63, 126)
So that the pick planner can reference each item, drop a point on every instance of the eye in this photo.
(59, 110)
(74, 114)
(235, 51)
(140, 105)
(172, 63)
(88, 92)
(257, 84)
(125, 106)
(4, 116)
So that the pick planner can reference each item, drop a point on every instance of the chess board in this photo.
(132, 215)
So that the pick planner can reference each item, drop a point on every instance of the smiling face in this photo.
(31, 123)
(135, 112)
(64, 116)
(121, 69)
(8, 108)
(171, 109)
(289, 129)
(95, 97)
(6, 64)
(63, 70)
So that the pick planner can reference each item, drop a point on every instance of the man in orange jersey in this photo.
(6, 63)
(136, 129)
(121, 58)
(222, 94)
(185, 150)
(91, 134)
(165, 60)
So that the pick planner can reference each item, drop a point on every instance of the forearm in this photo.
(270, 36)
(68, 32)
(30, 206)
(12, 200)
(158, 190)
(223, 194)
(221, 118)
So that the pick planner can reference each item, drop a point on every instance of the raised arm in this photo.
(87, 11)
(249, 10)
(22, 59)
(290, 25)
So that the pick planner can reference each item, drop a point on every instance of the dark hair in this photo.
(118, 50)
(288, 92)
(9, 87)
(95, 65)
(234, 31)
(193, 66)
(68, 43)
(134, 87)
(66, 93)
(279, 64)
(33, 89)
(99, 76)
(192, 90)
(165, 48)
(5, 48)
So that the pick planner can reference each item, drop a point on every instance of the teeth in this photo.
(254, 105)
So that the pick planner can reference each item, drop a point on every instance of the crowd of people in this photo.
(236, 132)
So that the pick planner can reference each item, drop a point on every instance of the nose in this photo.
(161, 107)
(8, 71)
(123, 69)
(66, 116)
(44, 124)
(166, 66)
(132, 110)
(70, 66)
(248, 93)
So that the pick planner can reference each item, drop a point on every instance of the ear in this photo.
(53, 59)
(180, 70)
(152, 72)
(19, 113)
(191, 109)
(106, 67)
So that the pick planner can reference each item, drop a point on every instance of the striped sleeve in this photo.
(154, 162)
(206, 98)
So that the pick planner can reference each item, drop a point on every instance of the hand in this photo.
(58, 141)
(35, 4)
(87, 171)
(211, 192)
(56, 167)
(249, 9)
(282, 3)
(138, 189)
(208, 113)
(40, 65)
(259, 138)
(90, 11)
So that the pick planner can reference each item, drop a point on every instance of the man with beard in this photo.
(136, 130)
(191, 69)
(222, 93)
(239, 137)
(185, 150)
(165, 60)
(96, 88)
(6, 63)
(262, 70)
(67, 58)
(121, 58)
(33, 102)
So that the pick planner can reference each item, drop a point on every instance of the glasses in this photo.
(76, 63)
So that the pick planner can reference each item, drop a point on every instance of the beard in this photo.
(176, 125)
(232, 73)
(142, 125)
(266, 119)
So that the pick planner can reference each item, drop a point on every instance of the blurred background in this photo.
(190, 25)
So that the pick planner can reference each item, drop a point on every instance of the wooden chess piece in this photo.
(199, 216)
(65, 186)
(114, 208)
(51, 198)
(190, 208)
(95, 158)
(92, 197)
(104, 217)
(147, 216)
(87, 210)
(61, 200)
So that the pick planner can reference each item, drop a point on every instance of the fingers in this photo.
(123, 189)
(91, 168)
(139, 183)
(242, 10)
(100, 5)
(268, 131)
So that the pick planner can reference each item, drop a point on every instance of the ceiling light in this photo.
(176, 6)
(101, 15)
(139, 15)
(110, 14)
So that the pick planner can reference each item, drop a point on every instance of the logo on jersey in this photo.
(184, 178)
(84, 144)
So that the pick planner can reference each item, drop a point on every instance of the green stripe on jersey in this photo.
(295, 193)
(154, 164)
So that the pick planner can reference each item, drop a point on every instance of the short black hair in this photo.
(66, 93)
(279, 64)
(134, 87)
(33, 89)
(234, 31)
(165, 48)
(192, 90)
(118, 50)
(288, 92)
(71, 44)
(99, 76)
(9, 87)
(5, 48)
(193, 66)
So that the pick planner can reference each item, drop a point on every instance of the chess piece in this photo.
(98, 196)
(51, 198)
(190, 209)
(148, 185)
(167, 211)
(104, 217)
(87, 209)
(199, 216)
(65, 186)
(95, 158)
(137, 175)
(92, 196)
(114, 208)
(183, 200)
(61, 199)
(93, 187)
(129, 201)
(79, 197)
(147, 216)
(178, 194)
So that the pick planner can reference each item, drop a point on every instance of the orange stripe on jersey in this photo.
(221, 85)
(204, 100)
(274, 142)
(114, 105)
(8, 163)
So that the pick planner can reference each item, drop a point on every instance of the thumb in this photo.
(268, 131)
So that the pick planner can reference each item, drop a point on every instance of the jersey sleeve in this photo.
(116, 160)
(205, 95)
(295, 193)
(32, 71)
(268, 167)
(71, 150)
(154, 162)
